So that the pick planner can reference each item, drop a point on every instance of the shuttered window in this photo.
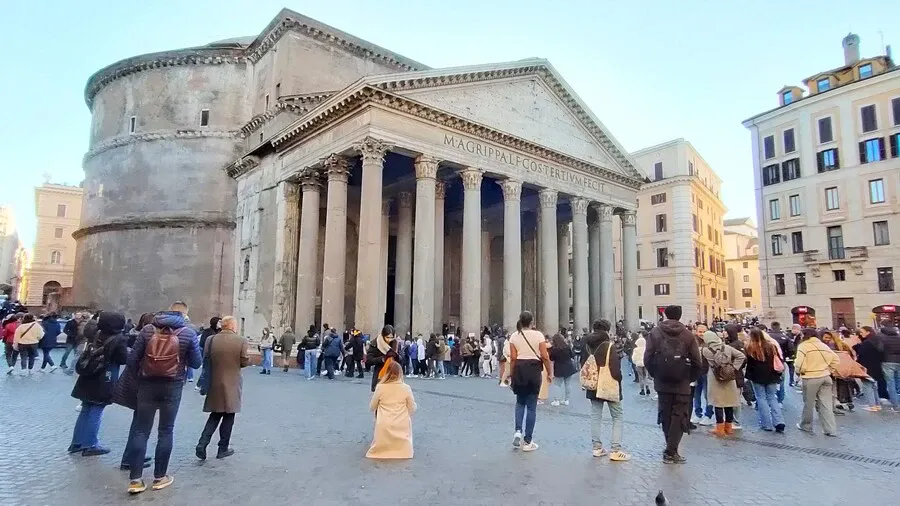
(869, 122)
(825, 134)
(789, 141)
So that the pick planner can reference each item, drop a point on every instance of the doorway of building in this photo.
(843, 313)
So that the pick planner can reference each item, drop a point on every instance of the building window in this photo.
(869, 120)
(747, 304)
(58, 232)
(828, 160)
(60, 210)
(776, 244)
(746, 278)
(895, 107)
(278, 90)
(787, 97)
(662, 257)
(823, 84)
(659, 198)
(882, 234)
(797, 242)
(700, 203)
(771, 174)
(872, 150)
(724, 295)
(746, 265)
(657, 171)
(876, 191)
(779, 284)
(865, 71)
(835, 243)
(694, 222)
(895, 145)
(790, 169)
(131, 124)
(800, 281)
(712, 264)
(696, 257)
(690, 168)
(660, 222)
(246, 273)
(204, 117)
(661, 289)
(769, 147)
(637, 257)
(794, 201)
(267, 102)
(709, 232)
(640, 312)
(825, 134)
(839, 275)
(639, 290)
(789, 146)
(832, 199)
(260, 137)
(55, 257)
(774, 209)
(885, 279)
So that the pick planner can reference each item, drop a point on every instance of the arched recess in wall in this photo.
(50, 287)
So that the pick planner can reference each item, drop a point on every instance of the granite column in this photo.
(470, 285)
(370, 236)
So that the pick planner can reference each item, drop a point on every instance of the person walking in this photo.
(766, 378)
(310, 345)
(381, 352)
(161, 353)
(637, 358)
(98, 371)
(420, 357)
(226, 354)
(724, 363)
(355, 348)
(393, 404)
(563, 369)
(868, 356)
(266, 345)
(702, 416)
(605, 357)
(52, 330)
(332, 348)
(287, 344)
(487, 354)
(28, 335)
(673, 360)
(814, 364)
(467, 354)
(9, 335)
(71, 332)
(888, 345)
(528, 359)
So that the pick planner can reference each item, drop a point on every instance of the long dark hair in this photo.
(525, 320)
(144, 320)
(758, 345)
(559, 342)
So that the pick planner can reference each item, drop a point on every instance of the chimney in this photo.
(851, 49)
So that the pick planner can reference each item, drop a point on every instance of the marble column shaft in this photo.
(424, 266)
(512, 252)
(562, 241)
(607, 274)
(334, 268)
(485, 276)
(286, 237)
(370, 236)
(470, 285)
(385, 237)
(580, 277)
(403, 265)
(549, 254)
(629, 269)
(307, 250)
(439, 193)
(594, 267)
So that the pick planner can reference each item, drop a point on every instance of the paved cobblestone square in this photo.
(303, 442)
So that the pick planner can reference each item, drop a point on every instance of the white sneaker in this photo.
(706, 421)
(530, 447)
(736, 426)
(554, 403)
(517, 439)
(695, 419)
(78, 407)
(565, 403)
(52, 369)
(30, 372)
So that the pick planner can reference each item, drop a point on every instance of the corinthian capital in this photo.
(440, 190)
(629, 218)
(579, 206)
(604, 212)
(405, 199)
(426, 168)
(471, 179)
(548, 198)
(337, 168)
(310, 179)
(512, 189)
(372, 149)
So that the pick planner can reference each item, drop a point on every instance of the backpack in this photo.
(162, 356)
(671, 361)
(92, 362)
(722, 367)
(589, 372)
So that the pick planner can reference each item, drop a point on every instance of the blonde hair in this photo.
(393, 373)
(228, 322)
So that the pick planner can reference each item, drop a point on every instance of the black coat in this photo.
(868, 356)
(563, 361)
(763, 372)
(356, 347)
(99, 390)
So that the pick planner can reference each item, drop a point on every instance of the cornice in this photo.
(299, 105)
(242, 166)
(123, 140)
(134, 223)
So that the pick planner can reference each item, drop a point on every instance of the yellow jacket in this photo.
(815, 359)
(28, 333)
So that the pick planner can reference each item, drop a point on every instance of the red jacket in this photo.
(9, 332)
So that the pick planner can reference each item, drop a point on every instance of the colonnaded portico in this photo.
(437, 197)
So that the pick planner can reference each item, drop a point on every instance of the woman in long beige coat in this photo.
(723, 395)
(393, 404)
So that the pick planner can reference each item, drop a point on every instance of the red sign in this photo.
(888, 309)
(801, 309)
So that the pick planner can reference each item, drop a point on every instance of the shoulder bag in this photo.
(607, 386)
(205, 378)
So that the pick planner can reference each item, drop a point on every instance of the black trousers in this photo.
(724, 415)
(354, 365)
(674, 415)
(225, 422)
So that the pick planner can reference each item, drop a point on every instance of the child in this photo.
(393, 404)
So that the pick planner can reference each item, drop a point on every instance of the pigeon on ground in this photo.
(661, 499)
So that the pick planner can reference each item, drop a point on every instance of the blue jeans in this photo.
(562, 388)
(767, 406)
(48, 360)
(153, 396)
(69, 349)
(267, 359)
(309, 362)
(869, 388)
(891, 372)
(87, 425)
(441, 369)
(525, 403)
(190, 373)
(780, 389)
(700, 395)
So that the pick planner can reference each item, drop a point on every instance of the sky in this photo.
(651, 70)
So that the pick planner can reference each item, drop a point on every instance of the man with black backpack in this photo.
(673, 359)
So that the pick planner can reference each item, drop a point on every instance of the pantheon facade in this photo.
(359, 187)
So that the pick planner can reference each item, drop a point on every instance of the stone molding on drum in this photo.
(512, 189)
(124, 140)
(298, 104)
(629, 218)
(372, 149)
(471, 178)
(548, 198)
(337, 168)
(426, 167)
(440, 190)
(579, 205)
(159, 221)
(405, 199)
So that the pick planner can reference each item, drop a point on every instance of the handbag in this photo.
(205, 379)
(607, 386)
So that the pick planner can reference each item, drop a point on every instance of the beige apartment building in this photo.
(827, 177)
(58, 210)
(680, 239)
(742, 267)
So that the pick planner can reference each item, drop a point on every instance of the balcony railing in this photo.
(846, 254)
